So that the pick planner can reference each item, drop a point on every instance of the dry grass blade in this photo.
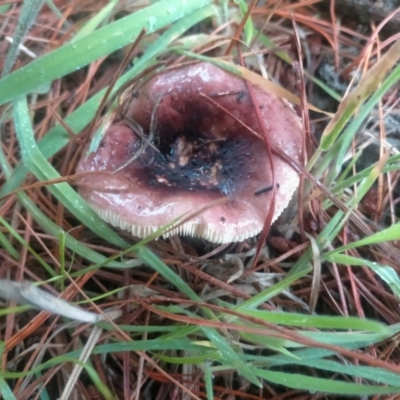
(27, 294)
(86, 352)
(366, 87)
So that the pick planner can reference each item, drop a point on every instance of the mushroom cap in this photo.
(197, 154)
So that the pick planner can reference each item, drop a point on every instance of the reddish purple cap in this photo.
(195, 154)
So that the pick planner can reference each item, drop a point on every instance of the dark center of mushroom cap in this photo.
(187, 144)
(191, 161)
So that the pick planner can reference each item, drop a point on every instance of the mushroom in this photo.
(174, 152)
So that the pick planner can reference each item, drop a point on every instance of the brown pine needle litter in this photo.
(304, 308)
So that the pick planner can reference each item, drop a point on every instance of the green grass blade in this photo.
(248, 27)
(343, 339)
(43, 170)
(350, 340)
(269, 44)
(100, 43)
(153, 345)
(196, 360)
(54, 8)
(354, 127)
(6, 392)
(302, 382)
(8, 247)
(232, 358)
(391, 165)
(385, 272)
(386, 235)
(208, 381)
(352, 204)
(353, 342)
(272, 291)
(370, 373)
(328, 90)
(312, 321)
(95, 21)
(41, 387)
(5, 8)
(367, 86)
(336, 138)
(29, 11)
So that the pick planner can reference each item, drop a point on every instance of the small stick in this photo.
(241, 94)
(265, 190)
(146, 141)
(115, 78)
